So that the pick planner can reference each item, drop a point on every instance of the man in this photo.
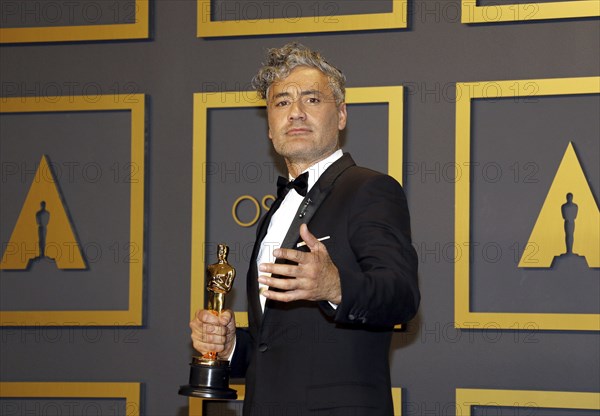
(323, 306)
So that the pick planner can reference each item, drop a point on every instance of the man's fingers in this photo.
(278, 283)
(207, 329)
(204, 347)
(208, 317)
(212, 332)
(214, 329)
(279, 269)
(207, 337)
(226, 317)
(290, 254)
(283, 296)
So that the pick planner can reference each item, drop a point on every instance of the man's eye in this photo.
(314, 100)
(281, 103)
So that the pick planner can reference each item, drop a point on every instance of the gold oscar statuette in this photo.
(209, 375)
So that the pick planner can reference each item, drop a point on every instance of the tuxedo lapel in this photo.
(251, 279)
(305, 212)
(315, 198)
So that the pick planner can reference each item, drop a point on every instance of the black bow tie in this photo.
(300, 184)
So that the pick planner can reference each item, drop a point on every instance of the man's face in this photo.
(304, 120)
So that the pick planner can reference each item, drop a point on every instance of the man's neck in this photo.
(295, 168)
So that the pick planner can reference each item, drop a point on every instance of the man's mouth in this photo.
(298, 131)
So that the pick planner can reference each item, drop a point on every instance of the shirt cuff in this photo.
(232, 351)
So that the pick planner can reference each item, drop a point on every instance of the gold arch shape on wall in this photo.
(472, 13)
(75, 390)
(135, 103)
(396, 19)
(463, 316)
(197, 405)
(137, 30)
(467, 398)
(393, 96)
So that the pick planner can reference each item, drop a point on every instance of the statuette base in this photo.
(209, 379)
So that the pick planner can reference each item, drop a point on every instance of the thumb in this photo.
(226, 317)
(311, 241)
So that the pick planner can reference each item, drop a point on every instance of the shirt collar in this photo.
(316, 170)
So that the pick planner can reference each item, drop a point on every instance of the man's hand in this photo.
(212, 333)
(314, 278)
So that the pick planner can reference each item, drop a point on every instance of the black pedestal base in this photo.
(208, 393)
(209, 379)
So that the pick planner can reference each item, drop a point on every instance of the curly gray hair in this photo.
(281, 61)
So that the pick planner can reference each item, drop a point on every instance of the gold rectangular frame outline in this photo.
(393, 96)
(465, 398)
(75, 390)
(397, 19)
(132, 316)
(137, 30)
(196, 405)
(464, 318)
(472, 13)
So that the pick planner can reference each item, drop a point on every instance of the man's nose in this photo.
(297, 110)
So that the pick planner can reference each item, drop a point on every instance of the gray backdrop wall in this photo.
(517, 143)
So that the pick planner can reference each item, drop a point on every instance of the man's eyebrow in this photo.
(281, 94)
(303, 93)
(311, 92)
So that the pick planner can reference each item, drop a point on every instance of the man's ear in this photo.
(342, 116)
(269, 124)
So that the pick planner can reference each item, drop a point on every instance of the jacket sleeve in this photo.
(242, 353)
(383, 291)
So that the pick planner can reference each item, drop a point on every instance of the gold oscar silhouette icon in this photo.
(209, 375)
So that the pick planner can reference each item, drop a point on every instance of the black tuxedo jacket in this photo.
(307, 358)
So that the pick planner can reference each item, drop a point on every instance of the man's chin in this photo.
(295, 148)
